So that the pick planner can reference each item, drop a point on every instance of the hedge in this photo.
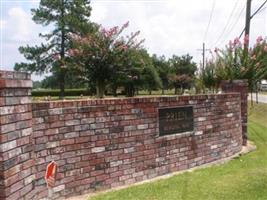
(56, 92)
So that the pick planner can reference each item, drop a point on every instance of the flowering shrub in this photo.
(100, 56)
(235, 62)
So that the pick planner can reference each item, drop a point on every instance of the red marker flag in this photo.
(50, 174)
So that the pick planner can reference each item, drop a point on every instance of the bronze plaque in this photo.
(175, 120)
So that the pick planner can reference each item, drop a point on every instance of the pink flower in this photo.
(113, 30)
(73, 52)
(125, 25)
(56, 56)
(103, 31)
(237, 41)
(259, 39)
(123, 47)
(246, 39)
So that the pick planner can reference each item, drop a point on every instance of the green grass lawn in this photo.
(243, 178)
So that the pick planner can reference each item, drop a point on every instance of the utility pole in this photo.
(247, 24)
(247, 29)
(203, 55)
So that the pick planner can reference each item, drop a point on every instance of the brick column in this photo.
(240, 86)
(16, 155)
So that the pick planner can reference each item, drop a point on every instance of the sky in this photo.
(168, 26)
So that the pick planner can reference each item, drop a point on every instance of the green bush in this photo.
(55, 92)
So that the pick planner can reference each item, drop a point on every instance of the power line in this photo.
(256, 12)
(262, 10)
(258, 9)
(211, 14)
(233, 25)
(227, 23)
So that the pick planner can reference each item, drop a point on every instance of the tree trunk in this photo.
(114, 91)
(257, 93)
(62, 83)
(100, 89)
(130, 90)
(181, 90)
(62, 70)
(163, 91)
(251, 98)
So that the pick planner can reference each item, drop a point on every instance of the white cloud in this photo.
(99, 12)
(18, 29)
(20, 25)
(178, 26)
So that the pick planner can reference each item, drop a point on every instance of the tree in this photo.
(139, 72)
(66, 16)
(183, 69)
(52, 81)
(163, 69)
(232, 63)
(99, 56)
(128, 74)
(209, 78)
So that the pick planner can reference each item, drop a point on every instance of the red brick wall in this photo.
(16, 158)
(240, 86)
(99, 144)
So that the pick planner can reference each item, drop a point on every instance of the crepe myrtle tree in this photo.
(208, 77)
(234, 62)
(99, 56)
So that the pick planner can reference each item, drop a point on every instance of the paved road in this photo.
(261, 98)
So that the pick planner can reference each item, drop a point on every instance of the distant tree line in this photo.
(155, 73)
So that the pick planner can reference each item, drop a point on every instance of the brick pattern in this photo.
(16, 160)
(240, 86)
(100, 144)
